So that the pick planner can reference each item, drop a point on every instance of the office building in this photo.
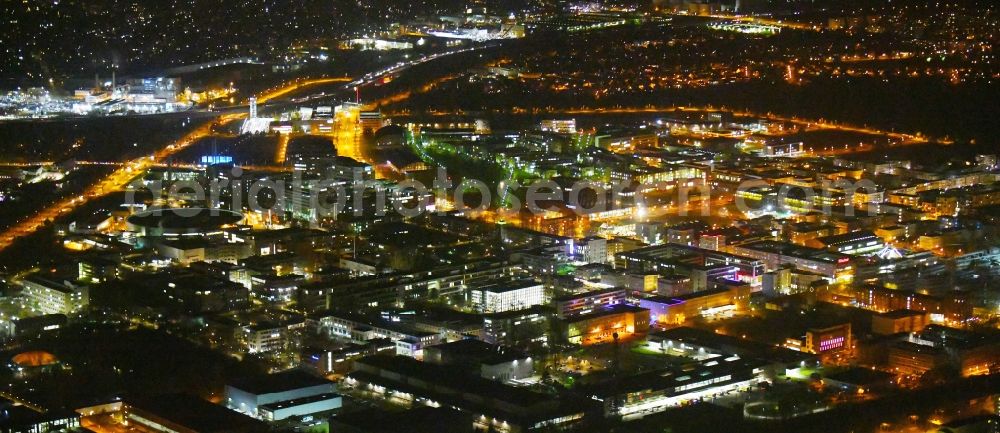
(518, 327)
(561, 126)
(601, 326)
(507, 296)
(722, 301)
(53, 297)
(774, 254)
(896, 321)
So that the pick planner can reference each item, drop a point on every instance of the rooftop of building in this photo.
(671, 378)
(273, 278)
(369, 322)
(591, 293)
(899, 314)
(477, 349)
(19, 418)
(299, 401)
(847, 237)
(197, 414)
(278, 382)
(282, 233)
(607, 311)
(680, 299)
(541, 310)
(793, 250)
(808, 226)
(422, 419)
(946, 336)
(186, 280)
(348, 162)
(48, 283)
(689, 225)
(446, 376)
(922, 349)
(730, 344)
(508, 286)
(190, 243)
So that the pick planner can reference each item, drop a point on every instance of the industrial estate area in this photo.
(672, 216)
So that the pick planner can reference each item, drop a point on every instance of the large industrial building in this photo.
(495, 406)
(278, 396)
